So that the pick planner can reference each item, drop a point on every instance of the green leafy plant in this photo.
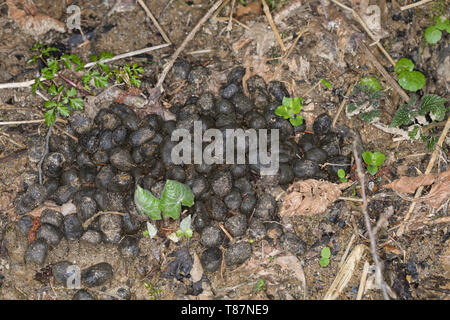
(342, 175)
(365, 100)
(173, 196)
(152, 290)
(373, 161)
(59, 80)
(260, 285)
(325, 255)
(408, 115)
(408, 78)
(433, 34)
(290, 109)
(326, 83)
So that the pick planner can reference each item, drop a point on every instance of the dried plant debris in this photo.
(28, 17)
(440, 190)
(310, 197)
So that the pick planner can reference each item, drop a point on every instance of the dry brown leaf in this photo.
(28, 17)
(439, 193)
(310, 197)
(410, 184)
(253, 8)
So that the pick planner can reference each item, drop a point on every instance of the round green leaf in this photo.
(282, 112)
(411, 80)
(324, 262)
(371, 82)
(433, 34)
(341, 173)
(367, 157)
(326, 253)
(174, 194)
(404, 64)
(372, 170)
(296, 121)
(378, 158)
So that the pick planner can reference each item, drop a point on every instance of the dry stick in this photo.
(149, 13)
(363, 24)
(418, 193)
(214, 16)
(385, 74)
(373, 246)
(362, 283)
(343, 103)
(29, 83)
(189, 37)
(89, 221)
(409, 6)
(12, 123)
(272, 24)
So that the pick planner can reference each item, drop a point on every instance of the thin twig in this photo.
(430, 166)
(343, 103)
(363, 24)
(272, 25)
(373, 246)
(385, 74)
(149, 13)
(413, 5)
(89, 221)
(189, 37)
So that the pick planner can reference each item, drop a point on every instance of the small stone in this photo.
(141, 136)
(211, 259)
(124, 293)
(222, 183)
(322, 124)
(49, 233)
(24, 225)
(305, 169)
(129, 247)
(35, 196)
(92, 237)
(86, 208)
(216, 209)
(256, 229)
(293, 243)
(211, 236)
(229, 90)
(97, 274)
(181, 69)
(233, 200)
(121, 159)
(316, 155)
(72, 227)
(278, 90)
(238, 253)
(62, 272)
(80, 122)
(37, 252)
(83, 294)
(265, 207)
(236, 225)
(111, 226)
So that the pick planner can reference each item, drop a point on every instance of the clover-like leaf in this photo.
(174, 194)
(404, 64)
(433, 34)
(147, 203)
(443, 23)
(411, 80)
(324, 262)
(378, 158)
(371, 82)
(296, 121)
(367, 157)
(282, 112)
(326, 253)
(372, 170)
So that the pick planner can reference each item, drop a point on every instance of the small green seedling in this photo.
(290, 109)
(325, 257)
(173, 196)
(433, 34)
(59, 78)
(373, 161)
(185, 228)
(342, 175)
(408, 78)
(260, 285)
(153, 291)
(326, 83)
(151, 231)
(365, 99)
